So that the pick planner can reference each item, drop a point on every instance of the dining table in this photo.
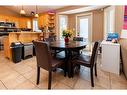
(68, 48)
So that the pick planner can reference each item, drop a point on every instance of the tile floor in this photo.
(23, 76)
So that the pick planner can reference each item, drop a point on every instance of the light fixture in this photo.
(22, 11)
(36, 15)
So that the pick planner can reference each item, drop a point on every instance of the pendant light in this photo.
(36, 15)
(22, 11)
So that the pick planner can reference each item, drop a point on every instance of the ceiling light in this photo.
(22, 11)
(36, 15)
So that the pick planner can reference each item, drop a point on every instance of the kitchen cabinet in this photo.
(24, 22)
(110, 57)
(48, 20)
(20, 22)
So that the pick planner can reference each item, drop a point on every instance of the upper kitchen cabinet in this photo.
(20, 22)
(24, 22)
(12, 19)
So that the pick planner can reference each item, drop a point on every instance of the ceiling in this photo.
(69, 9)
(28, 9)
(83, 9)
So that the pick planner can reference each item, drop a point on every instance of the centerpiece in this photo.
(66, 34)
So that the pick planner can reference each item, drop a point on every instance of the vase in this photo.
(66, 39)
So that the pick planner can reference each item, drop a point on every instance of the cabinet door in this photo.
(24, 23)
(111, 58)
(21, 23)
(40, 21)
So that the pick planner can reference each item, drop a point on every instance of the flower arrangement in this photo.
(67, 33)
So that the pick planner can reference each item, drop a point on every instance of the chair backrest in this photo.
(50, 39)
(43, 55)
(94, 53)
(77, 38)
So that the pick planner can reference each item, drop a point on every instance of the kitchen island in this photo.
(22, 37)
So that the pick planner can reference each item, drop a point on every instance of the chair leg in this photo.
(65, 69)
(49, 79)
(72, 70)
(95, 69)
(91, 74)
(38, 75)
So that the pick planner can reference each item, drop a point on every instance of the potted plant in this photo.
(66, 34)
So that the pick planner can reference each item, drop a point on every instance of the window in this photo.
(35, 25)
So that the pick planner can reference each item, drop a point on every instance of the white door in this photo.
(63, 20)
(84, 27)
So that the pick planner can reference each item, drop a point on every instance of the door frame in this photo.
(91, 19)
(106, 11)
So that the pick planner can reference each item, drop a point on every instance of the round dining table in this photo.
(68, 48)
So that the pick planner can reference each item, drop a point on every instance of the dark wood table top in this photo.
(70, 45)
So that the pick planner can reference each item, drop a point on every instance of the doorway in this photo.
(84, 27)
(63, 20)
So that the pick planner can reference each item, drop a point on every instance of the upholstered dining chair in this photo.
(87, 61)
(55, 53)
(46, 61)
(80, 39)
(77, 38)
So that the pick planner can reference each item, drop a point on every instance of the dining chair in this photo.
(77, 38)
(46, 61)
(52, 39)
(87, 61)
(80, 39)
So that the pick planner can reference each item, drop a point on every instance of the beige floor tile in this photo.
(43, 79)
(118, 84)
(26, 85)
(11, 64)
(102, 73)
(12, 82)
(120, 78)
(69, 81)
(2, 86)
(4, 68)
(97, 87)
(29, 74)
(61, 86)
(44, 84)
(32, 76)
(8, 73)
(102, 81)
(30, 61)
(82, 84)
(22, 68)
(118, 81)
